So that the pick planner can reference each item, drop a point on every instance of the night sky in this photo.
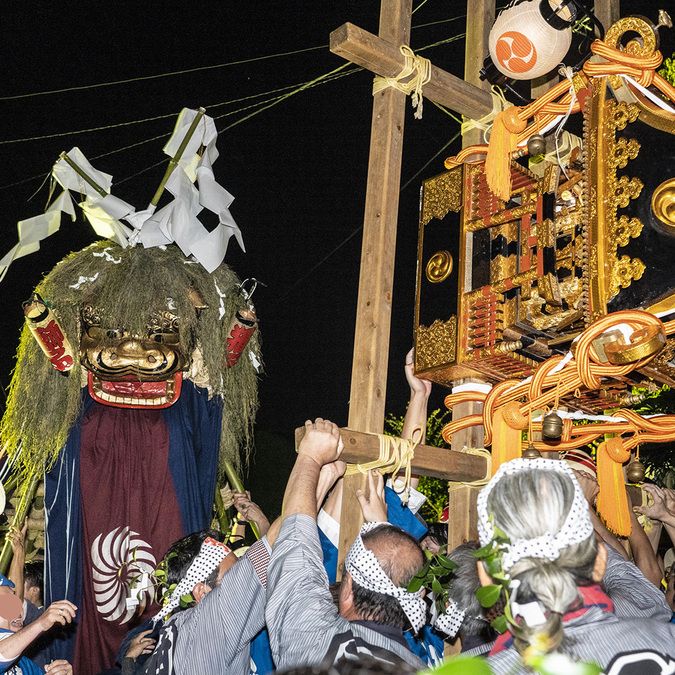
(297, 170)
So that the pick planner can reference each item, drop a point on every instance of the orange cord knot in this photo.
(513, 417)
(512, 121)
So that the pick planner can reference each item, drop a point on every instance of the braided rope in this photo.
(395, 454)
(415, 67)
(560, 376)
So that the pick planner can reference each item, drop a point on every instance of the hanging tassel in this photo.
(507, 425)
(612, 502)
(503, 141)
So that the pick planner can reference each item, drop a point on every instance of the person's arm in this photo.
(17, 539)
(633, 595)
(662, 508)
(60, 612)
(606, 536)
(373, 505)
(320, 445)
(300, 614)
(643, 553)
(420, 390)
(250, 511)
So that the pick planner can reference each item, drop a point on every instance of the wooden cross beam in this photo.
(373, 314)
(383, 58)
(450, 465)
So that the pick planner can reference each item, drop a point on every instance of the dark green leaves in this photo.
(488, 595)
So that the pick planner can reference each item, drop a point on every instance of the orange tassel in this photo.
(507, 425)
(503, 141)
(612, 502)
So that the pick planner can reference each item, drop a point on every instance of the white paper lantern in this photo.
(523, 45)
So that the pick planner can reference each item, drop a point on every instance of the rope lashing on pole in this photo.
(416, 72)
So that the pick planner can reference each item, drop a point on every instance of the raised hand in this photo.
(374, 506)
(250, 511)
(321, 441)
(60, 612)
(589, 486)
(417, 385)
(17, 539)
(141, 644)
(663, 506)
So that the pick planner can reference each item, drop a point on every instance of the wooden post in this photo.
(461, 498)
(479, 19)
(361, 448)
(378, 250)
(607, 11)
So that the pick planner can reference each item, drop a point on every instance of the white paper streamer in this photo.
(192, 184)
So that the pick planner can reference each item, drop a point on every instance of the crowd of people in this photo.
(571, 591)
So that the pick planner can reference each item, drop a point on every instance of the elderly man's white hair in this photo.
(552, 548)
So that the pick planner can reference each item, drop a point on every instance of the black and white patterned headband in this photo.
(211, 554)
(576, 528)
(367, 572)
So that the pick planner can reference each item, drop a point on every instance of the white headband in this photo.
(576, 528)
(451, 620)
(367, 572)
(211, 554)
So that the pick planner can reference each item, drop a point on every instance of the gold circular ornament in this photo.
(643, 343)
(644, 44)
(663, 202)
(439, 267)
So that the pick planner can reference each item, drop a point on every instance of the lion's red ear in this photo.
(241, 330)
(49, 334)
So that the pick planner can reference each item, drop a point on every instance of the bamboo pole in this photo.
(238, 486)
(173, 162)
(19, 517)
(85, 177)
(221, 515)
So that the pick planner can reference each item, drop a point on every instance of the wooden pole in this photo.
(480, 16)
(461, 498)
(376, 279)
(173, 162)
(607, 11)
(238, 486)
(81, 173)
(361, 448)
(381, 55)
(19, 517)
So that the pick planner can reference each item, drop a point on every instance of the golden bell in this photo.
(531, 452)
(536, 145)
(635, 471)
(552, 426)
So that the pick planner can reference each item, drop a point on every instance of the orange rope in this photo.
(556, 101)
(585, 371)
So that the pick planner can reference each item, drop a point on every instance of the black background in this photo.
(297, 170)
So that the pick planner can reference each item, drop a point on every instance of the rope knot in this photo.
(415, 67)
